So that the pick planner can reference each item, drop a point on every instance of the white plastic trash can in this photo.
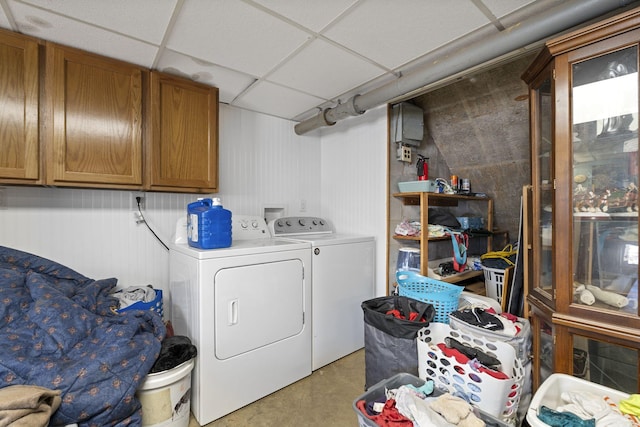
(166, 397)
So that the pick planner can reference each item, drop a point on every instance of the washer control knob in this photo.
(243, 224)
(288, 223)
(279, 223)
(301, 222)
(254, 224)
(315, 222)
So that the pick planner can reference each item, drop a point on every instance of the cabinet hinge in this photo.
(554, 339)
(553, 74)
(554, 183)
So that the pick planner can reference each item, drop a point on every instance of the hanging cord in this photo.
(144, 220)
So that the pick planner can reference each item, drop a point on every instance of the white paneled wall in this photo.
(339, 174)
(354, 181)
(262, 163)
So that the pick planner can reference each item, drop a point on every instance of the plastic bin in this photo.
(442, 295)
(498, 397)
(552, 388)
(378, 392)
(494, 282)
(471, 222)
(166, 397)
(521, 343)
(155, 305)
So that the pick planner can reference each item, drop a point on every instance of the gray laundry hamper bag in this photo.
(390, 343)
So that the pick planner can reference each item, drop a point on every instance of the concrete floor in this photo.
(324, 398)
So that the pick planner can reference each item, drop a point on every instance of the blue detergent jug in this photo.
(208, 224)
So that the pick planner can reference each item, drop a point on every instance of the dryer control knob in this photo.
(288, 223)
(301, 222)
(254, 224)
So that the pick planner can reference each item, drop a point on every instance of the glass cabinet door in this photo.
(605, 182)
(612, 365)
(543, 187)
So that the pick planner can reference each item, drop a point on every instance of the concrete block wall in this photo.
(476, 128)
(480, 126)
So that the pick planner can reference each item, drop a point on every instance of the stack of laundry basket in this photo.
(481, 356)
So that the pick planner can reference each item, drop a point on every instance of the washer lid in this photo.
(333, 239)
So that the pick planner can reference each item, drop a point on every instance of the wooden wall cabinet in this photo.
(94, 120)
(19, 94)
(182, 151)
(72, 118)
(582, 216)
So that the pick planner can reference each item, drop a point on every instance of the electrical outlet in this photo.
(137, 194)
(404, 153)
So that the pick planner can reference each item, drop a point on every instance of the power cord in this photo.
(143, 220)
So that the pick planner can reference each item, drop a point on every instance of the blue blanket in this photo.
(58, 330)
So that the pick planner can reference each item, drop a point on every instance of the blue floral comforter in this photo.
(58, 330)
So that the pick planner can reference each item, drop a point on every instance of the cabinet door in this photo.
(604, 180)
(183, 148)
(95, 120)
(544, 347)
(543, 179)
(19, 147)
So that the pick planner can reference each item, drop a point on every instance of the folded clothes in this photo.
(562, 419)
(504, 323)
(473, 353)
(27, 405)
(588, 405)
(631, 405)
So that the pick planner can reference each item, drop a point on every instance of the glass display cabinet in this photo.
(582, 216)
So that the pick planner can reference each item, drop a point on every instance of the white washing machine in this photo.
(247, 310)
(343, 276)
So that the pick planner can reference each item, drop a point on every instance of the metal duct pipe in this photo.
(549, 22)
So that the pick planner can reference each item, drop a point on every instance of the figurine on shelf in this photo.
(583, 200)
(631, 198)
(621, 199)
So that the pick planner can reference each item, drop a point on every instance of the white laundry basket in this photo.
(166, 397)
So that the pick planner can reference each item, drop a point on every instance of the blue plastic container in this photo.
(208, 224)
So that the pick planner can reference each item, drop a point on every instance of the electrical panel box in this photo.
(407, 124)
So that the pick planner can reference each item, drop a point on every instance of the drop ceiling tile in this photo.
(235, 35)
(39, 23)
(146, 20)
(269, 98)
(229, 83)
(501, 8)
(312, 14)
(324, 70)
(393, 35)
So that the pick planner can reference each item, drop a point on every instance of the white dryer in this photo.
(247, 310)
(343, 276)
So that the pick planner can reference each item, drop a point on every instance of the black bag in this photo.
(442, 217)
(390, 345)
